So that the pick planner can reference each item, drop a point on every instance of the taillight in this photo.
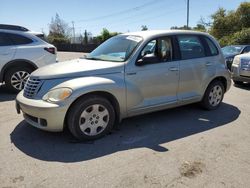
(50, 50)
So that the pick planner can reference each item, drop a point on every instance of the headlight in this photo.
(236, 61)
(57, 95)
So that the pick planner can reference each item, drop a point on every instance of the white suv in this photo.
(20, 54)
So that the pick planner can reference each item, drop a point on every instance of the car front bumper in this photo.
(41, 114)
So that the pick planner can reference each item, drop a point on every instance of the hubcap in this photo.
(215, 95)
(18, 79)
(94, 119)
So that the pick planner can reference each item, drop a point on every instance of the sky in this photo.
(115, 15)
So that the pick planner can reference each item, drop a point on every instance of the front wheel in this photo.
(213, 95)
(90, 118)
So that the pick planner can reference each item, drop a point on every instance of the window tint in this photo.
(212, 47)
(4, 40)
(18, 39)
(190, 47)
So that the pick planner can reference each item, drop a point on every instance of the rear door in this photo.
(7, 49)
(197, 67)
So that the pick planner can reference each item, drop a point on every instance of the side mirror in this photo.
(147, 59)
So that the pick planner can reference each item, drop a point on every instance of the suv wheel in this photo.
(15, 78)
(213, 95)
(91, 118)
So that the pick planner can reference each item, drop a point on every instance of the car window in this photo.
(4, 40)
(160, 48)
(149, 48)
(18, 39)
(212, 47)
(190, 47)
(247, 49)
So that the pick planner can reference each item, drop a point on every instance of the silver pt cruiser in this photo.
(128, 75)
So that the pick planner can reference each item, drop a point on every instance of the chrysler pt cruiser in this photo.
(128, 75)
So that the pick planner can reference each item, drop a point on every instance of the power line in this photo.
(120, 12)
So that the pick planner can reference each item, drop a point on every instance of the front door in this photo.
(153, 84)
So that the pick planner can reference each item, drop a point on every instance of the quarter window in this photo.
(4, 40)
(191, 47)
(18, 39)
(212, 47)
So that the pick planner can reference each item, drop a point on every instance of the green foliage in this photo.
(240, 37)
(58, 31)
(232, 27)
(144, 28)
(105, 34)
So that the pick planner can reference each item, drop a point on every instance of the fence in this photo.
(76, 47)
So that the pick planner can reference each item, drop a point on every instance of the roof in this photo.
(152, 33)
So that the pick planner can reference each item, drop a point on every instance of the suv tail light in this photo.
(51, 50)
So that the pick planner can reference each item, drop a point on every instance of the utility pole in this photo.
(187, 12)
(73, 24)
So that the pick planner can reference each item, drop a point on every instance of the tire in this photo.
(90, 118)
(238, 82)
(213, 96)
(16, 77)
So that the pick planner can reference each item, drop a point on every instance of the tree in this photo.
(58, 31)
(85, 37)
(105, 34)
(228, 25)
(144, 28)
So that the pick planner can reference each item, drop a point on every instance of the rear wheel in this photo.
(91, 118)
(15, 78)
(213, 95)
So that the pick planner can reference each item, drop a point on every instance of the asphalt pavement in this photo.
(181, 147)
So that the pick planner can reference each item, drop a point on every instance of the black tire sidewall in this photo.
(10, 73)
(205, 101)
(76, 111)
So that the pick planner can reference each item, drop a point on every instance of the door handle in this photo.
(208, 64)
(173, 69)
(131, 73)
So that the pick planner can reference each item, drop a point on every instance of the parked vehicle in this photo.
(20, 54)
(125, 76)
(21, 28)
(231, 51)
(241, 69)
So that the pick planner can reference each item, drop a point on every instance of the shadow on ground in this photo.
(6, 95)
(245, 86)
(148, 131)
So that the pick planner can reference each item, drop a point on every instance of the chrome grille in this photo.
(31, 87)
(245, 65)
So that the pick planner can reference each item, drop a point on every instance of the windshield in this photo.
(117, 49)
(231, 50)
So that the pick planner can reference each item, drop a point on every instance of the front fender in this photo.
(113, 85)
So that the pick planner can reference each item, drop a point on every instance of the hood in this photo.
(78, 68)
(227, 56)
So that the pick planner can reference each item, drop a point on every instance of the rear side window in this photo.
(247, 49)
(18, 39)
(4, 40)
(212, 47)
(190, 47)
